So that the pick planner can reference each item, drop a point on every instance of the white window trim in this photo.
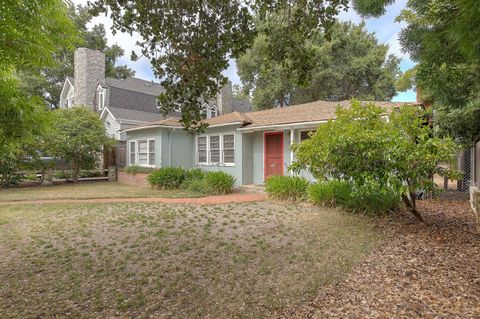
(209, 163)
(130, 152)
(157, 103)
(101, 98)
(137, 162)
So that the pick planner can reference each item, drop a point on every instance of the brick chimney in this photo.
(89, 72)
(224, 99)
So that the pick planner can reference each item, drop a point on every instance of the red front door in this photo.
(273, 143)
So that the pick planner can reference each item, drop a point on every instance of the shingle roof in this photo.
(302, 113)
(136, 85)
(134, 115)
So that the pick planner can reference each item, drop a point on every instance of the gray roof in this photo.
(241, 106)
(136, 85)
(134, 115)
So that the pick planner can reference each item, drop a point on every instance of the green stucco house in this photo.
(250, 146)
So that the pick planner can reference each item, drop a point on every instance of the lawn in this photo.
(88, 191)
(253, 260)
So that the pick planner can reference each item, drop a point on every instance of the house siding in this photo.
(112, 126)
(154, 133)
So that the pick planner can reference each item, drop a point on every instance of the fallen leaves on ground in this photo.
(429, 270)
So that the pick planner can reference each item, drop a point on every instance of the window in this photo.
(132, 153)
(101, 98)
(177, 108)
(157, 103)
(142, 153)
(151, 152)
(213, 112)
(229, 149)
(305, 135)
(214, 149)
(204, 113)
(70, 102)
(202, 149)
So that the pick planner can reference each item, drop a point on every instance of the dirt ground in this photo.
(427, 270)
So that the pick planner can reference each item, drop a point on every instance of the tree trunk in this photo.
(76, 172)
(411, 207)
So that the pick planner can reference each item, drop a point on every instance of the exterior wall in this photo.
(89, 72)
(139, 179)
(112, 126)
(236, 169)
(177, 148)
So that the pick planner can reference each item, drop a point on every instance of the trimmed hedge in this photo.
(286, 187)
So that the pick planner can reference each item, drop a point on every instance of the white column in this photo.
(292, 140)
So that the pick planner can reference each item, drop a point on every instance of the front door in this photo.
(273, 143)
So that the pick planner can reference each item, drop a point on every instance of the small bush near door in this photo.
(286, 187)
(219, 183)
(330, 193)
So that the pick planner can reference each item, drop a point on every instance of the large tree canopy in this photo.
(189, 42)
(30, 33)
(49, 83)
(350, 63)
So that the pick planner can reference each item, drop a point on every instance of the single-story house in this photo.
(250, 146)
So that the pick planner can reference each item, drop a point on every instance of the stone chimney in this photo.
(224, 99)
(89, 72)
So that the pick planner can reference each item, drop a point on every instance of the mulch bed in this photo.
(427, 270)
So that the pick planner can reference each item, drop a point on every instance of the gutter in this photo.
(289, 125)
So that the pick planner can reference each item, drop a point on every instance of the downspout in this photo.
(170, 146)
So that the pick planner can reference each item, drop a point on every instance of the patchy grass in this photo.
(250, 260)
(89, 191)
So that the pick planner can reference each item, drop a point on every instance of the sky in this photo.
(385, 29)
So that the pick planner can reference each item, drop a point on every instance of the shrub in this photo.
(286, 187)
(195, 174)
(195, 185)
(167, 177)
(91, 174)
(370, 198)
(219, 183)
(329, 193)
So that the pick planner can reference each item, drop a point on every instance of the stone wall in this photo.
(224, 99)
(139, 179)
(89, 72)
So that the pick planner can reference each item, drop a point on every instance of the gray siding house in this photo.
(127, 103)
(251, 146)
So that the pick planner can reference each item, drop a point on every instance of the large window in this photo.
(216, 149)
(142, 152)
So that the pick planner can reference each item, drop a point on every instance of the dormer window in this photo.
(204, 113)
(213, 112)
(158, 104)
(177, 108)
(101, 98)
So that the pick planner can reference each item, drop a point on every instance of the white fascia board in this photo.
(283, 126)
(105, 110)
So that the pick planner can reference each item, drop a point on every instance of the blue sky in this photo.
(385, 29)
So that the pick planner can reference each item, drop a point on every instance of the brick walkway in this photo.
(208, 200)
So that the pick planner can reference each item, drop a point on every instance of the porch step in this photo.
(253, 188)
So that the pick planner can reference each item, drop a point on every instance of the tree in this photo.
(78, 137)
(349, 63)
(30, 33)
(360, 146)
(48, 82)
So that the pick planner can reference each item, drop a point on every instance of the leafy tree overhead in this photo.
(349, 63)
(79, 136)
(30, 33)
(361, 147)
(49, 83)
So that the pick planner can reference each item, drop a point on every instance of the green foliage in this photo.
(286, 187)
(442, 36)
(361, 147)
(78, 137)
(218, 183)
(195, 179)
(329, 193)
(347, 62)
(371, 198)
(134, 169)
(167, 177)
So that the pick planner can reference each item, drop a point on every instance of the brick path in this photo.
(208, 200)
